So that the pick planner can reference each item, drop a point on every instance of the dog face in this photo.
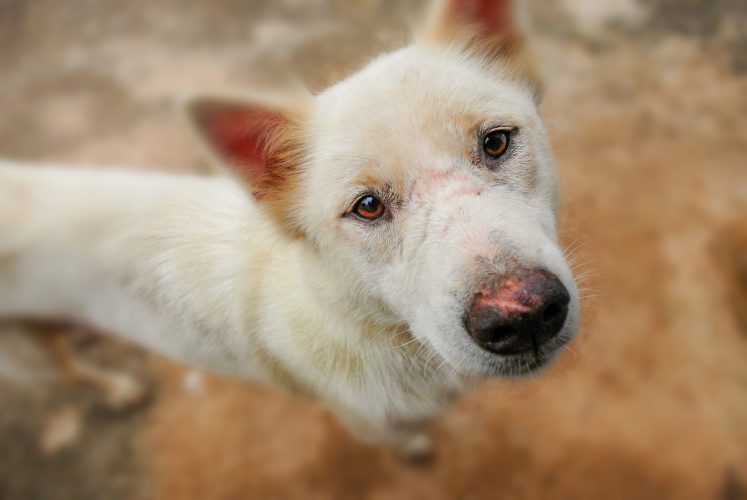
(427, 181)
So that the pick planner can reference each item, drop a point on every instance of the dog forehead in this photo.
(411, 111)
(420, 90)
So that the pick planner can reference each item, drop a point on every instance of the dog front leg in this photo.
(410, 440)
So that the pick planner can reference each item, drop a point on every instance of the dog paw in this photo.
(123, 392)
(417, 448)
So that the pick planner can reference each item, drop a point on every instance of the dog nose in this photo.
(518, 312)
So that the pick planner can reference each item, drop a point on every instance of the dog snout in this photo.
(518, 312)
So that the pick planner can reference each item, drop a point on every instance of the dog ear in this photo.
(488, 29)
(261, 142)
(487, 17)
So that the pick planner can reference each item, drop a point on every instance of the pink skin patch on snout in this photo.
(511, 298)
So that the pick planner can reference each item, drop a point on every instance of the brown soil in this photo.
(649, 122)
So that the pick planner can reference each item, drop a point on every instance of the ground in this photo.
(647, 107)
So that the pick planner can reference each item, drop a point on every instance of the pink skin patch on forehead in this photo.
(444, 185)
(443, 188)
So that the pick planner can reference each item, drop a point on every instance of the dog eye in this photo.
(496, 143)
(369, 207)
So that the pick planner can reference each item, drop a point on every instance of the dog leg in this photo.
(410, 440)
(121, 391)
(414, 444)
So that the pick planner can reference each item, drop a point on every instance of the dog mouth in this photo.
(521, 365)
(514, 366)
(484, 363)
(530, 362)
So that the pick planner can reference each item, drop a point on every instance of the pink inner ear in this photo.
(494, 16)
(242, 137)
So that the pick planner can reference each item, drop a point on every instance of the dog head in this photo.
(426, 180)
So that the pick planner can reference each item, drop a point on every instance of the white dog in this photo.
(394, 238)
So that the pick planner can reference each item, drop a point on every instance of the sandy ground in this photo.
(647, 104)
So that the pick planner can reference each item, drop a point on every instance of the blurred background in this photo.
(647, 106)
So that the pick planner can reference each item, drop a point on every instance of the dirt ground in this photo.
(647, 106)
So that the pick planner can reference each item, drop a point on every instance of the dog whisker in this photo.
(569, 349)
(406, 343)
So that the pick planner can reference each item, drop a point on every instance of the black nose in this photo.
(518, 312)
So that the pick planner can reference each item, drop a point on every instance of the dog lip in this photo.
(496, 347)
(527, 367)
(530, 362)
(527, 363)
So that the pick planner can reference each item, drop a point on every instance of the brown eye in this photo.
(369, 208)
(496, 143)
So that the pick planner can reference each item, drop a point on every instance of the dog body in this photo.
(397, 240)
(190, 268)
